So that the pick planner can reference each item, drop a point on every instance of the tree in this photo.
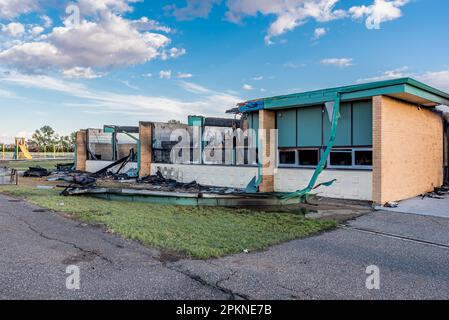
(44, 138)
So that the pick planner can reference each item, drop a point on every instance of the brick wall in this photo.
(81, 150)
(146, 148)
(408, 150)
(267, 123)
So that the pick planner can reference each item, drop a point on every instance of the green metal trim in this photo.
(360, 91)
(425, 95)
(179, 200)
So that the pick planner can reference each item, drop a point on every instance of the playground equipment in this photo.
(21, 148)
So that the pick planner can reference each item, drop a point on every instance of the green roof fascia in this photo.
(426, 95)
(361, 91)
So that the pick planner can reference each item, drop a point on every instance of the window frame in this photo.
(281, 165)
(351, 150)
(296, 151)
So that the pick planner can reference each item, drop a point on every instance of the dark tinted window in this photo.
(364, 158)
(341, 158)
(287, 157)
(308, 157)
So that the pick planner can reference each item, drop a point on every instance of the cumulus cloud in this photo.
(377, 13)
(13, 29)
(289, 14)
(146, 24)
(10, 9)
(319, 33)
(337, 62)
(103, 44)
(37, 30)
(193, 9)
(96, 6)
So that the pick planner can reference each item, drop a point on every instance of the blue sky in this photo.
(126, 61)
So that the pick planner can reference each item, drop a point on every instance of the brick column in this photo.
(267, 127)
(146, 148)
(81, 150)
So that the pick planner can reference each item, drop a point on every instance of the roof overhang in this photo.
(406, 89)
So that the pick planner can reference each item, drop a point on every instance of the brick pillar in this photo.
(146, 148)
(81, 150)
(267, 127)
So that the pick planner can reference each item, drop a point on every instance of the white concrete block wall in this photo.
(208, 175)
(350, 184)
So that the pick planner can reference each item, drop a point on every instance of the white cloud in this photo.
(390, 74)
(117, 6)
(247, 87)
(173, 53)
(100, 102)
(110, 42)
(165, 74)
(10, 9)
(439, 79)
(13, 29)
(37, 30)
(377, 13)
(258, 78)
(319, 33)
(337, 62)
(146, 24)
(184, 75)
(79, 72)
(48, 22)
(194, 88)
(289, 14)
(193, 9)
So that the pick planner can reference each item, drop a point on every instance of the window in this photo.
(363, 158)
(340, 158)
(287, 157)
(351, 158)
(308, 157)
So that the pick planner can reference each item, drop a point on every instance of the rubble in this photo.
(36, 172)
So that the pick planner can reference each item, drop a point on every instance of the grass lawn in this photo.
(47, 164)
(203, 232)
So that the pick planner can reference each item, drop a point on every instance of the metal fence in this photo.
(40, 155)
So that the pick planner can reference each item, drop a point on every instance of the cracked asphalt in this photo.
(412, 253)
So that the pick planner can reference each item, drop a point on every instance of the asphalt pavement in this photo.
(36, 247)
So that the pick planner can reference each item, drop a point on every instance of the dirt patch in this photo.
(171, 256)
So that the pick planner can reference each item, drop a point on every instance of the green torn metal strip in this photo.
(303, 193)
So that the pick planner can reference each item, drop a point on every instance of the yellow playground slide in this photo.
(25, 151)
